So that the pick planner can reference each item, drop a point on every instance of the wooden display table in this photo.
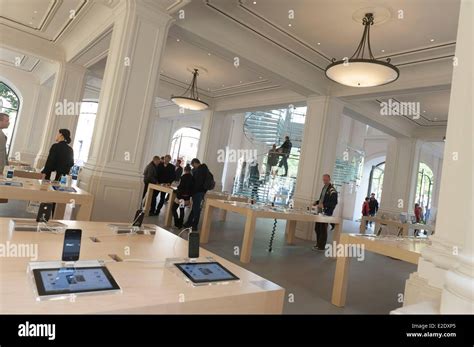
(33, 190)
(224, 196)
(169, 209)
(407, 249)
(252, 212)
(149, 285)
(403, 228)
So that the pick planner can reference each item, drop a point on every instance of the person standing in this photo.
(4, 124)
(60, 157)
(200, 174)
(254, 179)
(166, 175)
(178, 170)
(183, 196)
(418, 217)
(272, 159)
(366, 210)
(150, 176)
(326, 204)
(285, 150)
(373, 206)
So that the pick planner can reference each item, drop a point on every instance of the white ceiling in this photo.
(434, 107)
(331, 24)
(18, 60)
(218, 76)
(46, 19)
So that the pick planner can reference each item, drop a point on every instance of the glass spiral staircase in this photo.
(263, 129)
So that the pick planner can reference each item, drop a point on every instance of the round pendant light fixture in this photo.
(190, 99)
(358, 71)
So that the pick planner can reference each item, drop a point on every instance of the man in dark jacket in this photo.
(373, 206)
(178, 170)
(285, 149)
(200, 172)
(326, 204)
(166, 175)
(272, 159)
(150, 176)
(183, 196)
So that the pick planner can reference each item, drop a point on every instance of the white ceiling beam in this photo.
(275, 64)
(30, 44)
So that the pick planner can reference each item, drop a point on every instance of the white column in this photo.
(214, 137)
(445, 276)
(399, 181)
(64, 107)
(437, 183)
(158, 140)
(318, 153)
(234, 142)
(113, 173)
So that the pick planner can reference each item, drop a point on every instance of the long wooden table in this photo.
(407, 249)
(161, 188)
(148, 284)
(224, 196)
(33, 190)
(403, 228)
(252, 212)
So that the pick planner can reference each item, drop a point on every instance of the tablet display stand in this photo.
(64, 264)
(169, 264)
(130, 229)
(32, 225)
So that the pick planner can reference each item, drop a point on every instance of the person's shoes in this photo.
(315, 248)
(333, 226)
(186, 225)
(152, 213)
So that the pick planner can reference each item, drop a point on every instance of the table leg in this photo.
(169, 209)
(249, 233)
(362, 227)
(290, 231)
(59, 211)
(337, 233)
(206, 223)
(147, 206)
(339, 289)
(223, 215)
(85, 211)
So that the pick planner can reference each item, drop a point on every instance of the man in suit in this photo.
(326, 204)
(4, 124)
(149, 176)
(166, 174)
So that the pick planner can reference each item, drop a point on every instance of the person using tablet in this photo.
(60, 157)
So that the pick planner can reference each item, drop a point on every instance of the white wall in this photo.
(34, 103)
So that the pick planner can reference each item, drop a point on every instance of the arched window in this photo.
(9, 104)
(184, 144)
(424, 187)
(376, 180)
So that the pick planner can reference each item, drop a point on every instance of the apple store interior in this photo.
(236, 157)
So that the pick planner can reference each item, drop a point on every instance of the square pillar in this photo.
(114, 171)
(318, 153)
